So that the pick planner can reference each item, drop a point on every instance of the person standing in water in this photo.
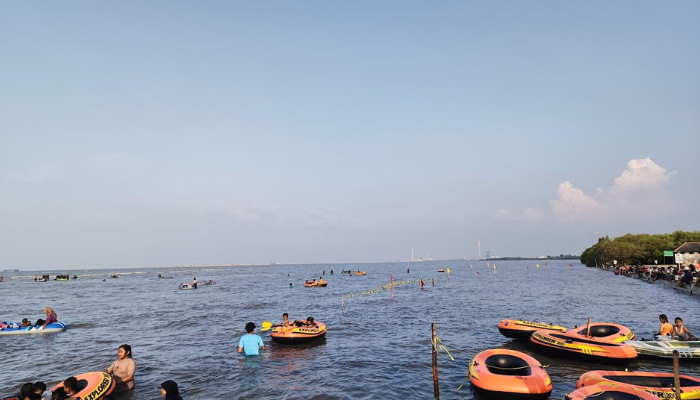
(250, 342)
(123, 369)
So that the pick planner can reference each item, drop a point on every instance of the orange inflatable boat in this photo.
(610, 392)
(298, 334)
(91, 385)
(510, 374)
(658, 383)
(573, 345)
(518, 329)
(607, 331)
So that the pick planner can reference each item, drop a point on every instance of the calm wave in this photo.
(375, 348)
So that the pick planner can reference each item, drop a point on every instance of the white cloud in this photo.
(571, 201)
(641, 173)
(527, 214)
(637, 191)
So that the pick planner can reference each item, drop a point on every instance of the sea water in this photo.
(376, 347)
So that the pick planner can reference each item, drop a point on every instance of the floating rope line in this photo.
(379, 289)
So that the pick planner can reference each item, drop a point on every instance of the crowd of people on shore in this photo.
(682, 274)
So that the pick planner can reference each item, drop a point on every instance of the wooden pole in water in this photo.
(342, 302)
(588, 328)
(436, 384)
(391, 280)
(676, 377)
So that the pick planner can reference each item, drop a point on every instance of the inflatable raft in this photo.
(572, 345)
(664, 348)
(605, 331)
(18, 329)
(518, 329)
(658, 383)
(610, 392)
(298, 334)
(185, 286)
(91, 385)
(509, 374)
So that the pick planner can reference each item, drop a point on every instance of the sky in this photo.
(166, 133)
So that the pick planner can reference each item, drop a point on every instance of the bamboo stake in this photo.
(436, 384)
(676, 377)
(342, 302)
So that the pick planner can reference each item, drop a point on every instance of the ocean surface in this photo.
(376, 347)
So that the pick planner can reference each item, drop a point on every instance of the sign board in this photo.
(679, 258)
(668, 253)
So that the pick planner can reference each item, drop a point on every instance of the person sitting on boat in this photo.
(194, 283)
(285, 321)
(309, 323)
(666, 329)
(25, 323)
(70, 387)
(680, 330)
(51, 317)
(28, 391)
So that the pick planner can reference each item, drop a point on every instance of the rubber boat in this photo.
(573, 345)
(610, 392)
(509, 374)
(664, 348)
(91, 385)
(605, 331)
(360, 273)
(184, 286)
(441, 270)
(322, 283)
(522, 330)
(18, 329)
(658, 383)
(310, 283)
(298, 334)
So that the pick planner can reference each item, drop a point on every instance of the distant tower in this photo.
(411, 253)
(478, 243)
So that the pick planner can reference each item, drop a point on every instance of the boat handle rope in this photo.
(441, 346)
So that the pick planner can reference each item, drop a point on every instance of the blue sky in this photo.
(139, 134)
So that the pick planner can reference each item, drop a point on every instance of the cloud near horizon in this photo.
(636, 189)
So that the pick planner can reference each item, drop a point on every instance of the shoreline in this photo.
(686, 290)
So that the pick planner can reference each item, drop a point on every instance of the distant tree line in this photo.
(636, 249)
(559, 257)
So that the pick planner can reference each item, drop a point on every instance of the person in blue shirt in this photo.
(250, 342)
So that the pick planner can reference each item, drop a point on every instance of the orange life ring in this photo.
(92, 385)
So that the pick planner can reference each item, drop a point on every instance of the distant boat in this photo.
(441, 270)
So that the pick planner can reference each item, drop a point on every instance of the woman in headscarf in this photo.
(170, 390)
